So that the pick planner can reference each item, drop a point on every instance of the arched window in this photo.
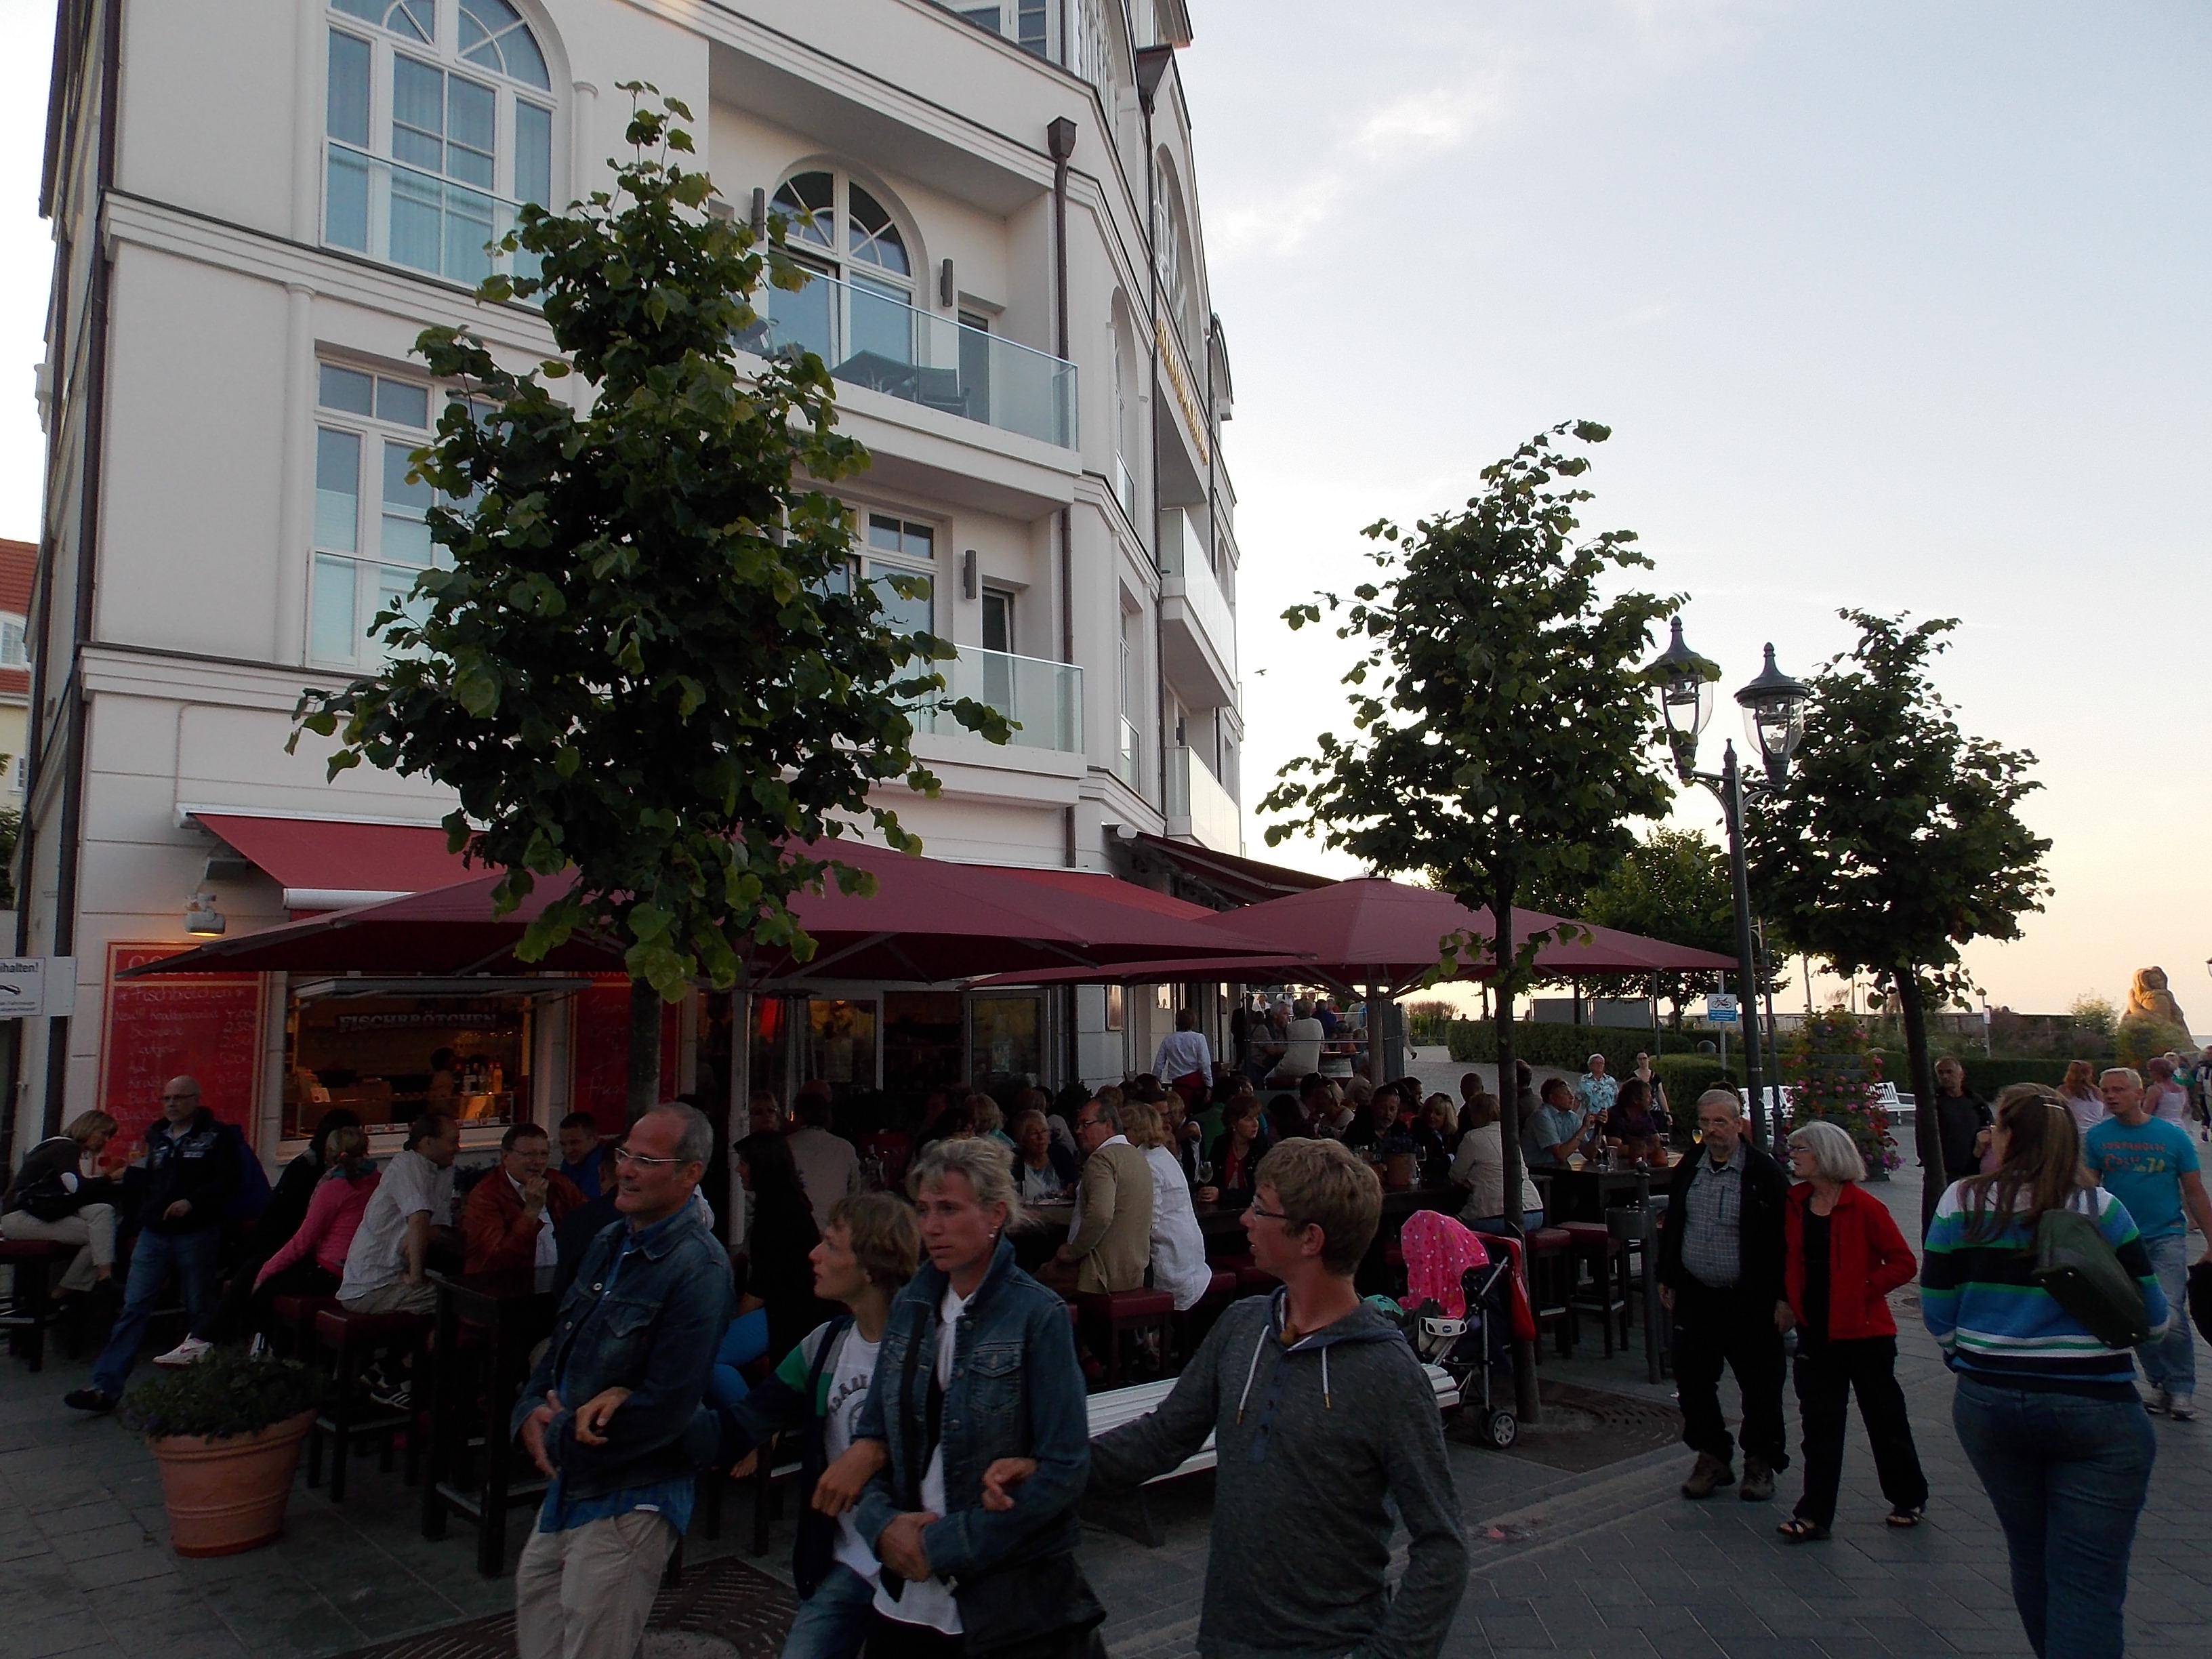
(862, 323)
(438, 121)
(1173, 255)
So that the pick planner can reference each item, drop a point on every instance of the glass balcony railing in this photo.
(1184, 562)
(404, 217)
(1208, 811)
(1127, 765)
(1045, 699)
(869, 336)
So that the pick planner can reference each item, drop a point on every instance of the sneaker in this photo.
(95, 1401)
(2181, 1408)
(186, 1352)
(2156, 1400)
(1709, 1473)
(1757, 1482)
(389, 1392)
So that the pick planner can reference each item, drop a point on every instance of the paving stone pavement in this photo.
(1612, 1562)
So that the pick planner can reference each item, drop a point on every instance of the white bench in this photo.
(1110, 1410)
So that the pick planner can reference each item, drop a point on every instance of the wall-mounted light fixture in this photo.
(967, 575)
(760, 214)
(201, 917)
(946, 291)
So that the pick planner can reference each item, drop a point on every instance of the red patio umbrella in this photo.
(929, 920)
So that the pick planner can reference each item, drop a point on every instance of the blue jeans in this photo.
(832, 1622)
(192, 1256)
(2170, 1361)
(1496, 1224)
(2067, 1474)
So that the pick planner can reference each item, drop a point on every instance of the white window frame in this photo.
(373, 575)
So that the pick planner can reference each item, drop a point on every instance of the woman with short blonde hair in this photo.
(62, 1196)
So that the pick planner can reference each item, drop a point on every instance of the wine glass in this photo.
(1204, 1170)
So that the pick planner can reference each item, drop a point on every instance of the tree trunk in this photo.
(643, 1093)
(1927, 1134)
(1527, 1405)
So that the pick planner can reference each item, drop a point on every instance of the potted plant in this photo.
(226, 1433)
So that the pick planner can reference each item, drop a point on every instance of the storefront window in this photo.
(1008, 1033)
(391, 1059)
(840, 1044)
(922, 1041)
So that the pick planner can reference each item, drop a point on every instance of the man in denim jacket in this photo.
(613, 1412)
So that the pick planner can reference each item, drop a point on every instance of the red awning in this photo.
(328, 864)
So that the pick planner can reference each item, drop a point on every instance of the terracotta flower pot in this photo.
(226, 1496)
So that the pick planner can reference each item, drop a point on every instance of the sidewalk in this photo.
(1609, 1562)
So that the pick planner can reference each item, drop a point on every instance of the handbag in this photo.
(2079, 1269)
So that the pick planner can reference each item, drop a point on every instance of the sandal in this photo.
(1798, 1530)
(1903, 1518)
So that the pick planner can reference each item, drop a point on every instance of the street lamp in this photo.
(1774, 722)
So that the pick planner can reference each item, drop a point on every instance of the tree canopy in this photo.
(1672, 885)
(644, 654)
(1897, 841)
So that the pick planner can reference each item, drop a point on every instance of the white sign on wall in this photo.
(1720, 1008)
(37, 988)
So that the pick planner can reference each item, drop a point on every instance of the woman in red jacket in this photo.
(1843, 1257)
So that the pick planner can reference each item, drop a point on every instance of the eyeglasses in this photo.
(624, 1156)
(1266, 1214)
(167, 1099)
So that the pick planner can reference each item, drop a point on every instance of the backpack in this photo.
(2079, 1269)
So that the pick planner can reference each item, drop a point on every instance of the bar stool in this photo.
(295, 1317)
(1594, 1245)
(1551, 1285)
(30, 1310)
(1114, 1315)
(351, 1340)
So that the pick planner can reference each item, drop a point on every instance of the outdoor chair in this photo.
(1106, 1318)
(351, 1340)
(30, 1310)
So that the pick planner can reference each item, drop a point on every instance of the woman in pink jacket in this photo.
(313, 1260)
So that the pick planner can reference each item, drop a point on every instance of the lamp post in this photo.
(1774, 721)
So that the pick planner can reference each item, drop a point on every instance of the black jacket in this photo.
(198, 1164)
(1959, 1119)
(1766, 1200)
(57, 1155)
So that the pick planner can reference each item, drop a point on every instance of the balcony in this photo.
(1045, 699)
(1199, 809)
(870, 337)
(1128, 762)
(1198, 627)
(401, 216)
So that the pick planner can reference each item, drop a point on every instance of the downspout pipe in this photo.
(1059, 139)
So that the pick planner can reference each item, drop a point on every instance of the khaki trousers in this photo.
(92, 1227)
(586, 1593)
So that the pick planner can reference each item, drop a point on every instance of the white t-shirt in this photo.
(411, 1184)
(1178, 1248)
(829, 1169)
(930, 1601)
(848, 1391)
(1301, 1050)
(1182, 1052)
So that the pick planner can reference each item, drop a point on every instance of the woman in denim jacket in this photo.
(977, 1363)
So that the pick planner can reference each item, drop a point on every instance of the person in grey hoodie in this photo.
(1319, 1413)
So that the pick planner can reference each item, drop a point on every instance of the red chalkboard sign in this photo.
(208, 1025)
(600, 1044)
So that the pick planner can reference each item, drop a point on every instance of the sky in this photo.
(1897, 307)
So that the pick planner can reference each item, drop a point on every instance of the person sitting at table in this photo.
(1630, 1127)
(1043, 1174)
(1384, 1107)
(1479, 1166)
(313, 1261)
(1437, 1130)
(593, 1217)
(1179, 1265)
(1110, 1244)
(1270, 1036)
(1327, 1114)
(1185, 1139)
(1236, 1154)
(1558, 1130)
(990, 1123)
(512, 1215)
(1301, 1044)
(783, 1235)
(745, 1340)
(1661, 1113)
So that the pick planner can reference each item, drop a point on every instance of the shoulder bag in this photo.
(2079, 1269)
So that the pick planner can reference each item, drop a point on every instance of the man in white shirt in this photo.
(828, 1167)
(1184, 1052)
(386, 1269)
(1302, 1046)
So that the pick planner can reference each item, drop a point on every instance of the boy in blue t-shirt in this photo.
(2150, 1166)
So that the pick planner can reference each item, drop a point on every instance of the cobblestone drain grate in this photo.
(724, 1609)
(1585, 1429)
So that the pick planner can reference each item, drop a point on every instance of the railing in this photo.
(1125, 488)
(404, 217)
(1196, 795)
(1045, 698)
(869, 337)
(1189, 573)
(1129, 764)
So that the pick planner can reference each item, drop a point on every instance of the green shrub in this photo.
(229, 1392)
(1985, 1077)
(1685, 1077)
(1549, 1042)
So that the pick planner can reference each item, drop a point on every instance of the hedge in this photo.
(1549, 1042)
(1984, 1077)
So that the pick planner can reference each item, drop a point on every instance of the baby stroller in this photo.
(1456, 1313)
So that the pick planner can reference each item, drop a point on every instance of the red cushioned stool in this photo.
(1550, 1285)
(1594, 1245)
(1109, 1315)
(295, 1319)
(29, 1309)
(350, 1341)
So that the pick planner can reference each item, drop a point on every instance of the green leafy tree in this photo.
(1897, 842)
(645, 658)
(1672, 885)
(1503, 731)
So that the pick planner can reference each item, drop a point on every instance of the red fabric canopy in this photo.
(929, 921)
(1370, 933)
(327, 865)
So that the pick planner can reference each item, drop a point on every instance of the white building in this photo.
(256, 207)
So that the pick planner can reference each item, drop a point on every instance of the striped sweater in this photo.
(1995, 1323)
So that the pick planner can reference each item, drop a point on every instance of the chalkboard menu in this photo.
(205, 1025)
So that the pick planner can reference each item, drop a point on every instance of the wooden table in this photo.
(1586, 1194)
(512, 1312)
(1043, 1229)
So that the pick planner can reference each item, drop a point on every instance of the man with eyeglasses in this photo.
(191, 1173)
(1110, 1244)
